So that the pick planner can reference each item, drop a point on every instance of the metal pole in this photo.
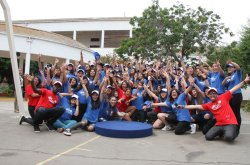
(9, 31)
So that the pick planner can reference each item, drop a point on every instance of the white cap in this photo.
(74, 96)
(212, 89)
(95, 91)
(57, 82)
(164, 90)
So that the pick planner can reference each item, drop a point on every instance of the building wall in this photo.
(86, 29)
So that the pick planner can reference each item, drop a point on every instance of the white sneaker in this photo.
(164, 128)
(193, 128)
(67, 132)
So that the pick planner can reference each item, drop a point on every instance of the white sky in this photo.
(234, 13)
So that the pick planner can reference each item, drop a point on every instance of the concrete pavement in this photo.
(20, 145)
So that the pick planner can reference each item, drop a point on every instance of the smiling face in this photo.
(56, 88)
(230, 69)
(213, 95)
(174, 94)
(113, 101)
(95, 96)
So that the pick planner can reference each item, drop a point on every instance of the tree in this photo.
(163, 32)
(244, 47)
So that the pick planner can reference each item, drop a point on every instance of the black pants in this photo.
(228, 132)
(152, 116)
(182, 127)
(208, 125)
(235, 104)
(31, 112)
(49, 114)
(142, 116)
(82, 110)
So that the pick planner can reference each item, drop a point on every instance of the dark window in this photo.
(94, 39)
(94, 46)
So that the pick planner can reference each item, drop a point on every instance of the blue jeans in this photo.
(64, 123)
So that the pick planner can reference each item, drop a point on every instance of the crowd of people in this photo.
(172, 96)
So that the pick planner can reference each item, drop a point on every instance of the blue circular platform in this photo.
(123, 129)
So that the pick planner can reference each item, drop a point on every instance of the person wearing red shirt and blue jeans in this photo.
(226, 123)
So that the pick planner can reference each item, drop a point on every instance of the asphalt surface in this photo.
(20, 145)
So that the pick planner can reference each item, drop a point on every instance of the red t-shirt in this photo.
(123, 106)
(120, 92)
(32, 100)
(48, 99)
(222, 110)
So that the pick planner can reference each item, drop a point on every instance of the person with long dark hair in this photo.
(89, 119)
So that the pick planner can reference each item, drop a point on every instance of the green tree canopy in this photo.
(163, 32)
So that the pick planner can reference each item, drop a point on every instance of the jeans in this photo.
(228, 132)
(49, 114)
(64, 123)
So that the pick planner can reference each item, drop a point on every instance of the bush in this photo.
(246, 107)
(9, 90)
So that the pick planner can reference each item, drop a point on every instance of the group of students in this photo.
(169, 95)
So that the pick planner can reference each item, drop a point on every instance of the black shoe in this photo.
(22, 120)
(50, 127)
(37, 129)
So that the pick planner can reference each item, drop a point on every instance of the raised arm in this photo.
(84, 88)
(238, 86)
(150, 92)
(35, 89)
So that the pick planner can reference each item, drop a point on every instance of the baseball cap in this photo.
(71, 64)
(109, 86)
(57, 82)
(180, 68)
(230, 65)
(164, 90)
(212, 89)
(95, 91)
(106, 64)
(74, 96)
(80, 70)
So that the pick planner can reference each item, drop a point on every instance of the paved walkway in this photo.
(20, 145)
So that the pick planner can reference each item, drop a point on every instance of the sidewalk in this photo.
(20, 145)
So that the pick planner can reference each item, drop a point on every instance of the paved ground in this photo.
(20, 145)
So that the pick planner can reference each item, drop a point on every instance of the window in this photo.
(95, 39)
(94, 46)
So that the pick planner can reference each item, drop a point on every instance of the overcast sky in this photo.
(234, 13)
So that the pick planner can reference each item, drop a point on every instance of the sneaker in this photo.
(22, 120)
(193, 128)
(164, 128)
(67, 132)
(169, 128)
(37, 129)
(60, 130)
(50, 127)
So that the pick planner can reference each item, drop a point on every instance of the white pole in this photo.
(27, 58)
(102, 39)
(9, 31)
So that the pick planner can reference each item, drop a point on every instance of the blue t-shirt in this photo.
(69, 110)
(139, 101)
(216, 81)
(106, 112)
(201, 84)
(163, 108)
(82, 96)
(235, 79)
(182, 114)
(92, 114)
